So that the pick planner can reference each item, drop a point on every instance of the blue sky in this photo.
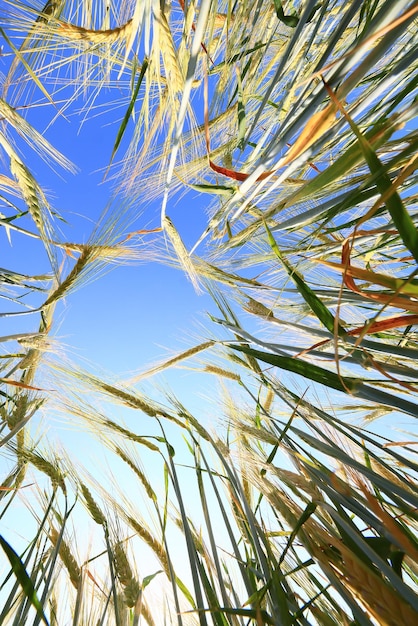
(128, 319)
(125, 321)
(125, 318)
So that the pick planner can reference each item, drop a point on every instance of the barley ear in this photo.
(131, 592)
(92, 507)
(122, 568)
(66, 557)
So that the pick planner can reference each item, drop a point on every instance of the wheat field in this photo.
(293, 499)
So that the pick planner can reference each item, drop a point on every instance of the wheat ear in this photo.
(69, 282)
(219, 371)
(386, 606)
(175, 80)
(66, 557)
(122, 568)
(141, 475)
(181, 251)
(111, 35)
(92, 506)
(130, 435)
(173, 361)
(155, 546)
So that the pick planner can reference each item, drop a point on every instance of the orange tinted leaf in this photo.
(317, 125)
(241, 176)
(16, 383)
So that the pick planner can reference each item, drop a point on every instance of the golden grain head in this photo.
(130, 435)
(91, 36)
(48, 468)
(68, 559)
(131, 592)
(219, 371)
(92, 506)
(122, 568)
(257, 308)
(384, 603)
(29, 190)
(69, 282)
(150, 492)
(181, 252)
(19, 411)
(155, 545)
(268, 403)
(130, 399)
(175, 80)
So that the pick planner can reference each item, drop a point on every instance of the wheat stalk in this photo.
(174, 360)
(181, 251)
(268, 402)
(129, 399)
(257, 308)
(130, 435)
(46, 467)
(35, 139)
(53, 610)
(34, 198)
(19, 410)
(393, 527)
(142, 609)
(29, 189)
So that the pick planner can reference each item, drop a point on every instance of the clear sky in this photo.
(127, 320)
(130, 317)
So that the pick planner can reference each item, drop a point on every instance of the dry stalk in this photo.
(141, 609)
(20, 456)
